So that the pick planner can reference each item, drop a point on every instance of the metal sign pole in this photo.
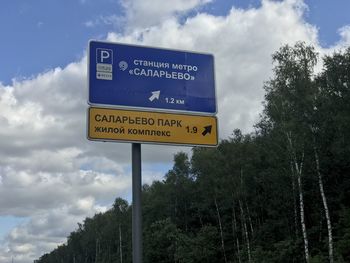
(136, 204)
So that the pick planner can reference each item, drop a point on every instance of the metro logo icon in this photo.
(104, 56)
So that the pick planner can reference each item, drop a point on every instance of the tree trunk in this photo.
(120, 245)
(295, 205)
(235, 231)
(296, 228)
(221, 231)
(249, 218)
(302, 219)
(97, 250)
(325, 206)
(200, 218)
(298, 166)
(244, 223)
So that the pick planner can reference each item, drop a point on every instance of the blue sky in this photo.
(7, 223)
(42, 34)
(328, 16)
(51, 177)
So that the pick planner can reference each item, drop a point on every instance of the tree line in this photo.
(278, 194)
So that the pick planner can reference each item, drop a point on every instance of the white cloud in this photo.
(242, 43)
(50, 173)
(146, 13)
(45, 230)
(23, 193)
(344, 33)
(112, 20)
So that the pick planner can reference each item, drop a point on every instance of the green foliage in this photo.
(344, 234)
(161, 243)
(201, 248)
(239, 202)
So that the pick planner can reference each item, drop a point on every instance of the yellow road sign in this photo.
(151, 127)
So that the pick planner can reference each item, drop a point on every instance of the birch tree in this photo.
(331, 110)
(287, 104)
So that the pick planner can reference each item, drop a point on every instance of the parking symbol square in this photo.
(104, 56)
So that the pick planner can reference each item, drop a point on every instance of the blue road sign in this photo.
(133, 76)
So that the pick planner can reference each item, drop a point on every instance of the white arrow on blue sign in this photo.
(131, 76)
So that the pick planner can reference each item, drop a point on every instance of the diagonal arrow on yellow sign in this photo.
(151, 127)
